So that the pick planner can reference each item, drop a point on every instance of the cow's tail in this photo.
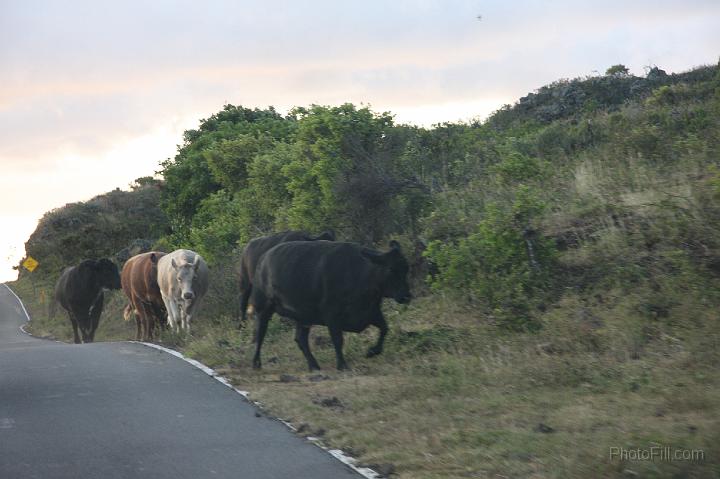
(245, 291)
(128, 312)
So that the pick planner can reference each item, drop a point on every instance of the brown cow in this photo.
(139, 282)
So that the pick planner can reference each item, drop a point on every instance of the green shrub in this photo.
(503, 264)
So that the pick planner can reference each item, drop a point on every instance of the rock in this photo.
(521, 456)
(547, 348)
(288, 378)
(385, 469)
(544, 428)
(352, 452)
(331, 402)
(318, 377)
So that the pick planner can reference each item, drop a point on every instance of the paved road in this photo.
(124, 410)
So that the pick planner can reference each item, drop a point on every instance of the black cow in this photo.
(259, 246)
(340, 285)
(79, 290)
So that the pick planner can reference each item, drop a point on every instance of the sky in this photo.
(96, 93)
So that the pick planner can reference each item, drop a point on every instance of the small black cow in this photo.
(259, 246)
(340, 285)
(79, 290)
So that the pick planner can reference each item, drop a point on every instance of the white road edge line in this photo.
(338, 454)
(19, 302)
(27, 315)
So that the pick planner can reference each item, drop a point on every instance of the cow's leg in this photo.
(173, 313)
(84, 324)
(336, 335)
(138, 326)
(381, 324)
(150, 324)
(185, 315)
(73, 321)
(301, 338)
(95, 313)
(262, 318)
(84, 332)
(139, 319)
(185, 322)
(128, 312)
(158, 314)
(190, 312)
(244, 301)
(146, 322)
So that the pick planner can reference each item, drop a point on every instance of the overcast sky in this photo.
(96, 93)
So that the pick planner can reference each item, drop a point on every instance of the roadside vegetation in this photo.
(565, 258)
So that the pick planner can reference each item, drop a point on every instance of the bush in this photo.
(504, 264)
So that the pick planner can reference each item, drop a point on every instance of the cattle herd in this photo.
(313, 280)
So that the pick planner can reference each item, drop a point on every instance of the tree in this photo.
(215, 156)
(617, 70)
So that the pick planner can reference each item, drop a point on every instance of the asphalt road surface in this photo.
(124, 410)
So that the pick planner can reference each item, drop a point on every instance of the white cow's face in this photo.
(186, 274)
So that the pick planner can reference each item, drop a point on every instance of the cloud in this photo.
(98, 93)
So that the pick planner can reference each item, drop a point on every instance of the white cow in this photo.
(183, 281)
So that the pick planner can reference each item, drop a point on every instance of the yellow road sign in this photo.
(30, 264)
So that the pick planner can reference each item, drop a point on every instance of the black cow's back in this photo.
(255, 250)
(259, 246)
(303, 279)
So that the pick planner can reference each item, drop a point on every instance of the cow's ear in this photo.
(196, 261)
(173, 263)
(395, 246)
(153, 258)
(328, 235)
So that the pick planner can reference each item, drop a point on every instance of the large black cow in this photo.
(79, 290)
(259, 246)
(340, 285)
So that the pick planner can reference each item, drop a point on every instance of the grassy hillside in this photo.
(571, 309)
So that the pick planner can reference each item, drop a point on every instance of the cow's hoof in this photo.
(342, 367)
(314, 367)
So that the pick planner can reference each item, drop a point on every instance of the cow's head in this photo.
(186, 272)
(395, 266)
(106, 273)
